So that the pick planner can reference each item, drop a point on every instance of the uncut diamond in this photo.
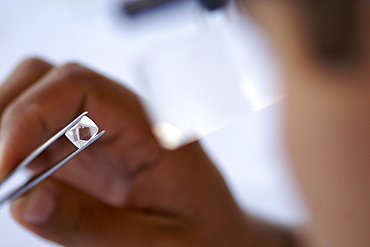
(82, 132)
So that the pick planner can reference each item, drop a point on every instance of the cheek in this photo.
(327, 129)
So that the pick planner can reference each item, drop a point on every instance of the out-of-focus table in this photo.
(249, 151)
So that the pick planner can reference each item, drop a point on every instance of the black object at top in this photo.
(135, 7)
(213, 4)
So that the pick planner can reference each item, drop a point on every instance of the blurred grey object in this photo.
(135, 7)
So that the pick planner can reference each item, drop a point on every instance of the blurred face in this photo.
(324, 49)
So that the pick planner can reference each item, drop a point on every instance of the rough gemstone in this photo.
(82, 132)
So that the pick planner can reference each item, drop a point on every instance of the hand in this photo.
(38, 100)
(124, 190)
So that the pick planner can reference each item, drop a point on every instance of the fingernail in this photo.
(39, 206)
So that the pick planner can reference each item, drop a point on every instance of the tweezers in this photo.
(21, 189)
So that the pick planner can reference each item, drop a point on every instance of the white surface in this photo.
(248, 151)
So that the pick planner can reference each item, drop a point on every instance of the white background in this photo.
(249, 151)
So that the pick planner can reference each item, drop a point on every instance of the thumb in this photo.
(62, 214)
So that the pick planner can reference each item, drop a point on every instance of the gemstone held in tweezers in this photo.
(82, 132)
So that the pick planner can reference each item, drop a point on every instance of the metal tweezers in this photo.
(36, 180)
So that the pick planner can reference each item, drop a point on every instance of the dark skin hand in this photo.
(125, 190)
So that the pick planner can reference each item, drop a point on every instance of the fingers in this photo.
(66, 216)
(26, 74)
(26, 118)
(104, 169)
(62, 95)
(163, 207)
(62, 214)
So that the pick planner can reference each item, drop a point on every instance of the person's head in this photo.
(330, 26)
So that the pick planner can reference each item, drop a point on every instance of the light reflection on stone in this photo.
(82, 132)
